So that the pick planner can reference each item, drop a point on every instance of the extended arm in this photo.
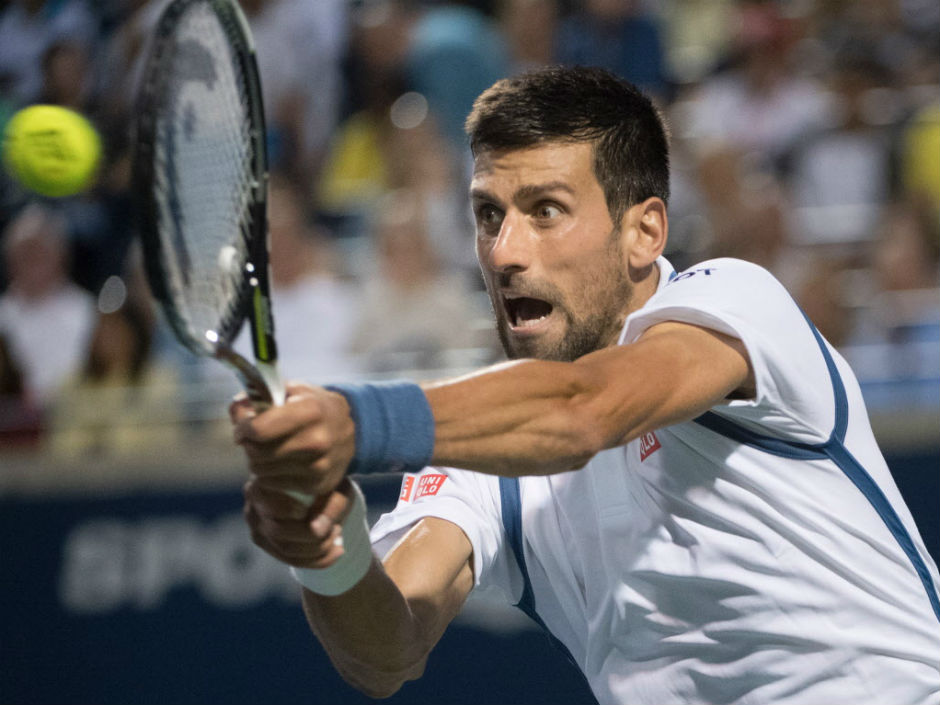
(538, 417)
(525, 417)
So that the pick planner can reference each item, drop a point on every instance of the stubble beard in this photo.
(607, 296)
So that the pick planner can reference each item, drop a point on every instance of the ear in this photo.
(648, 226)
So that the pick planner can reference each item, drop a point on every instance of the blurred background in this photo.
(805, 137)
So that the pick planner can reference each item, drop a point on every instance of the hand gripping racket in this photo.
(200, 178)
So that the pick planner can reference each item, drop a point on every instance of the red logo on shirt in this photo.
(649, 444)
(426, 486)
(406, 484)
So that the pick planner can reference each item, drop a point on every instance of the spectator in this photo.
(760, 102)
(20, 419)
(619, 36)
(840, 176)
(424, 162)
(67, 78)
(356, 168)
(697, 35)
(396, 144)
(120, 402)
(27, 29)
(919, 165)
(907, 258)
(743, 207)
(414, 313)
(122, 59)
(99, 220)
(530, 28)
(313, 306)
(446, 52)
(299, 45)
(896, 342)
(45, 317)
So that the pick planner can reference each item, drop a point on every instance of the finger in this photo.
(261, 539)
(293, 388)
(331, 550)
(331, 509)
(241, 408)
(306, 463)
(305, 474)
(280, 421)
(291, 552)
(336, 504)
(306, 552)
(266, 461)
(289, 541)
(277, 499)
(286, 533)
(307, 443)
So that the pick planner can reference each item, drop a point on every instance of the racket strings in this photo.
(204, 176)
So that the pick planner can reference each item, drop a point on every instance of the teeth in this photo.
(525, 312)
(529, 321)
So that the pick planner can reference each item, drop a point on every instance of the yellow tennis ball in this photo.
(51, 150)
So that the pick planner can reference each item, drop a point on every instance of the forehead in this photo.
(570, 163)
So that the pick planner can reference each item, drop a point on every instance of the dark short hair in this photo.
(580, 104)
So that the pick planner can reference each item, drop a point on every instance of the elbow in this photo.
(588, 443)
(579, 427)
(378, 683)
(377, 689)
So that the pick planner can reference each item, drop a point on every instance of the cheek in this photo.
(603, 288)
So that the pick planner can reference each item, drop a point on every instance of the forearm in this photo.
(521, 418)
(540, 417)
(370, 633)
(379, 633)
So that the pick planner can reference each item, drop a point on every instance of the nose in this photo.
(511, 249)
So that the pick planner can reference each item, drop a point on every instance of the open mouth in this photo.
(524, 311)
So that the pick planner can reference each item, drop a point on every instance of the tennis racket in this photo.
(200, 177)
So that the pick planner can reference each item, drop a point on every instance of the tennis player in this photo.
(675, 473)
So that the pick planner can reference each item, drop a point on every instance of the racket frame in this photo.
(253, 301)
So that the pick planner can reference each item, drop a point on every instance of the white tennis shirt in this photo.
(759, 554)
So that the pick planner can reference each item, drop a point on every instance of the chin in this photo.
(518, 348)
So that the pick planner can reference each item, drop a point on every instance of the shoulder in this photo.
(726, 267)
(724, 281)
(731, 296)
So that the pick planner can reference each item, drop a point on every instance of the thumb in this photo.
(331, 509)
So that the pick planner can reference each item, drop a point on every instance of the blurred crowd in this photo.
(805, 137)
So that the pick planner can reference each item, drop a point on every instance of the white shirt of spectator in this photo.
(48, 337)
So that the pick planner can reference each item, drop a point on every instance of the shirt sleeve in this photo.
(467, 499)
(794, 398)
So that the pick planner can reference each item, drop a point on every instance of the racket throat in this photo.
(260, 380)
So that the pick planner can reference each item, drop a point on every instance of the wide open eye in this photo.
(547, 211)
(489, 218)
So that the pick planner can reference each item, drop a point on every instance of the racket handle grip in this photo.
(302, 497)
(273, 381)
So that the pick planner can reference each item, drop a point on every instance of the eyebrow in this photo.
(524, 192)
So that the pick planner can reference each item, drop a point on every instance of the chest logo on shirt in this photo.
(426, 486)
(707, 271)
(649, 444)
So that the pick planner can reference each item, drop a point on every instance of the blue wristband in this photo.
(394, 426)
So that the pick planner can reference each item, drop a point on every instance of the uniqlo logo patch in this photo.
(428, 485)
(414, 487)
(649, 444)
(406, 484)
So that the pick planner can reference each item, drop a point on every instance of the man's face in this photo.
(551, 256)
